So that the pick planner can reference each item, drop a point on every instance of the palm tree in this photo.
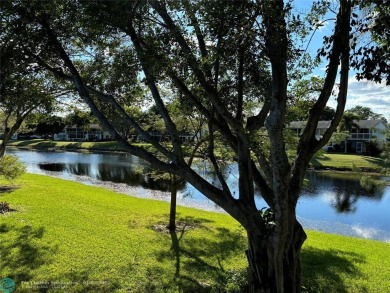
(347, 124)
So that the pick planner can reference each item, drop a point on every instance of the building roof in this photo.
(325, 124)
(89, 127)
(301, 124)
(369, 123)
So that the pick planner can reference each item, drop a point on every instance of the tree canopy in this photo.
(24, 89)
(371, 55)
(364, 113)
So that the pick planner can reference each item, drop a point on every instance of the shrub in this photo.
(373, 148)
(371, 183)
(11, 168)
(232, 281)
(4, 207)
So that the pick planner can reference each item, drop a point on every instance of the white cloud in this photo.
(366, 232)
(368, 94)
(323, 25)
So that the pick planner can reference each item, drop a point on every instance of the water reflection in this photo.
(111, 172)
(345, 189)
(55, 167)
(342, 190)
(345, 202)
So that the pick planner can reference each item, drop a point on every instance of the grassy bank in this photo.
(67, 145)
(341, 162)
(344, 162)
(75, 238)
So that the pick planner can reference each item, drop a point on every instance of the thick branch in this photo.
(213, 160)
(110, 99)
(308, 145)
(151, 82)
(240, 81)
(195, 24)
(266, 191)
(256, 122)
(341, 32)
(223, 128)
(84, 94)
(11, 131)
(209, 89)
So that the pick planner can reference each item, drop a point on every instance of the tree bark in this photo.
(11, 131)
(2, 149)
(172, 213)
(262, 272)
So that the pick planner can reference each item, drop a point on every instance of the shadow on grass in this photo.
(8, 189)
(377, 161)
(325, 270)
(22, 251)
(317, 162)
(194, 256)
(34, 142)
(74, 145)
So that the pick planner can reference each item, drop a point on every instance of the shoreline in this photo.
(75, 146)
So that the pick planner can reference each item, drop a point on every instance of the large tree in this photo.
(21, 95)
(23, 88)
(217, 56)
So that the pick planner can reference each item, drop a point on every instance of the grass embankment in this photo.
(68, 145)
(345, 162)
(340, 162)
(66, 236)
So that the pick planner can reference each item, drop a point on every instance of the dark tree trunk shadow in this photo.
(199, 254)
(8, 188)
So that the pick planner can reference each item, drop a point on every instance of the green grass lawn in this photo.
(74, 145)
(76, 238)
(345, 162)
(42, 143)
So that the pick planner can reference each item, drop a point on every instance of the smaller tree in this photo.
(11, 168)
(186, 121)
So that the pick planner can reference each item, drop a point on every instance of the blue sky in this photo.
(362, 93)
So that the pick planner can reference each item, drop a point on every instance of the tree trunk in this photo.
(4, 142)
(262, 267)
(2, 149)
(9, 132)
(172, 213)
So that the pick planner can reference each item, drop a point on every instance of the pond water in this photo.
(331, 202)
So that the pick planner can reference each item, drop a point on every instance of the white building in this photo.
(366, 131)
(93, 132)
